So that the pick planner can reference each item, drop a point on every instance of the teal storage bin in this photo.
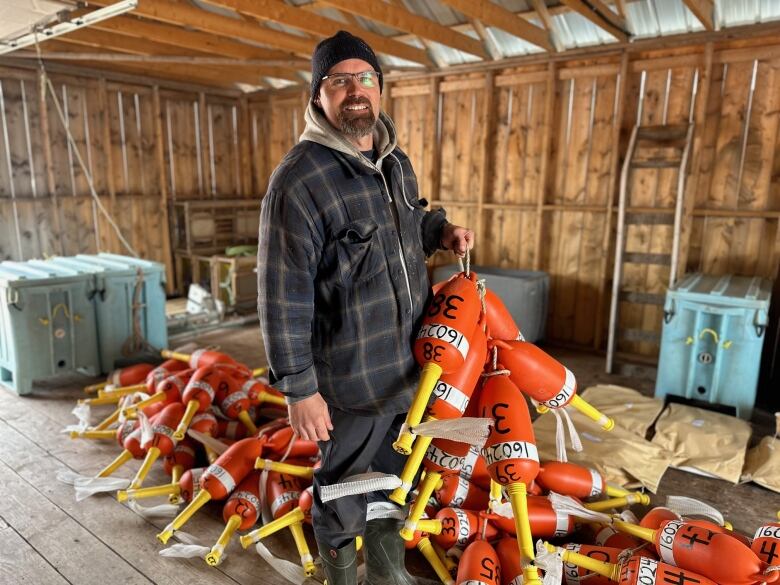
(47, 323)
(116, 278)
(712, 337)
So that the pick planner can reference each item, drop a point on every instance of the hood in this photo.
(319, 130)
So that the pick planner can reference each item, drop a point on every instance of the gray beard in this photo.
(357, 127)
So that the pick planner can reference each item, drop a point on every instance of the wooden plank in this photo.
(486, 168)
(597, 18)
(499, 17)
(545, 172)
(521, 78)
(20, 562)
(461, 84)
(399, 18)
(704, 10)
(547, 20)
(315, 24)
(54, 536)
(609, 69)
(408, 90)
(432, 171)
(245, 147)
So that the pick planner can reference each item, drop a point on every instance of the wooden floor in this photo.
(48, 537)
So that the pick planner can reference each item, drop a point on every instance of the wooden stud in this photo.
(597, 18)
(49, 163)
(544, 169)
(159, 144)
(486, 171)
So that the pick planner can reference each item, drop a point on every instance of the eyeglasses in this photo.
(367, 79)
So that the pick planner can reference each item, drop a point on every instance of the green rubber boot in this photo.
(340, 564)
(384, 552)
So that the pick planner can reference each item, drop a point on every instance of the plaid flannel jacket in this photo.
(342, 283)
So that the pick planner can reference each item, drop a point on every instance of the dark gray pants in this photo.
(357, 444)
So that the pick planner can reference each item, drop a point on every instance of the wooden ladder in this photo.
(675, 140)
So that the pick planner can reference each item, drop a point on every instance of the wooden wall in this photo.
(143, 145)
(529, 156)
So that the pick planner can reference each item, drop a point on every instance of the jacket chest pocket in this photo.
(359, 251)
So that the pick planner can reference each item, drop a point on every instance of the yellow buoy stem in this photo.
(120, 460)
(431, 481)
(647, 534)
(108, 421)
(122, 390)
(89, 434)
(286, 468)
(214, 557)
(592, 413)
(134, 408)
(291, 517)
(429, 526)
(609, 570)
(259, 371)
(621, 502)
(176, 474)
(101, 400)
(411, 466)
(247, 421)
(614, 491)
(148, 492)
(196, 504)
(452, 566)
(426, 548)
(307, 561)
(268, 398)
(428, 377)
(517, 493)
(151, 456)
(175, 355)
(184, 424)
(92, 388)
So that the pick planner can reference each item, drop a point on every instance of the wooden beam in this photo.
(182, 60)
(106, 40)
(159, 144)
(547, 21)
(490, 45)
(544, 168)
(615, 18)
(401, 19)
(704, 10)
(182, 13)
(596, 18)
(175, 36)
(313, 23)
(499, 17)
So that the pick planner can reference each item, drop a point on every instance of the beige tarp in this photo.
(762, 463)
(627, 407)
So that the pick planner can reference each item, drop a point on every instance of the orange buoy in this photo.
(461, 493)
(499, 321)
(766, 543)
(511, 455)
(279, 443)
(544, 520)
(574, 575)
(654, 517)
(540, 376)
(637, 570)
(475, 469)
(442, 344)
(240, 512)
(479, 564)
(235, 404)
(219, 479)
(712, 554)
(575, 480)
(199, 394)
(460, 527)
(161, 442)
(182, 459)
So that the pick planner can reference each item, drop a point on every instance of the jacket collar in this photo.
(319, 130)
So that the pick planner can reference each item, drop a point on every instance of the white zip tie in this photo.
(550, 562)
(208, 441)
(86, 486)
(147, 432)
(153, 512)
(574, 437)
(360, 484)
(290, 571)
(82, 413)
(185, 551)
(471, 430)
(685, 506)
(570, 506)
(560, 438)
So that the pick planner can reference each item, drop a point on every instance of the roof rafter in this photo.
(130, 26)
(597, 12)
(180, 13)
(112, 42)
(313, 23)
(401, 19)
(547, 21)
(704, 10)
(499, 17)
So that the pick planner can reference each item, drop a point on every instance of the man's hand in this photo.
(456, 238)
(310, 418)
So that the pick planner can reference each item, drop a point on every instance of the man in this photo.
(342, 286)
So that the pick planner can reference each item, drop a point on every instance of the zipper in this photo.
(400, 244)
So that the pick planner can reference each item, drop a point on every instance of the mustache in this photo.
(357, 101)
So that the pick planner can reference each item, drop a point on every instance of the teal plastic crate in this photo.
(116, 278)
(48, 324)
(712, 337)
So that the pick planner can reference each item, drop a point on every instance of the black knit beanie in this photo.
(339, 47)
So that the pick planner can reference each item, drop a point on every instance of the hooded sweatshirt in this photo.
(342, 281)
